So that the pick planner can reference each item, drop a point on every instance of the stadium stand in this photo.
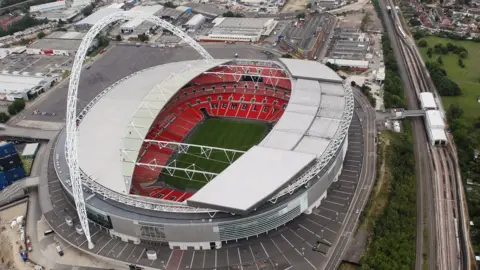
(226, 95)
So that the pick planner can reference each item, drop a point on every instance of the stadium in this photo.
(199, 153)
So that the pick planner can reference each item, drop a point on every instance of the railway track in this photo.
(451, 237)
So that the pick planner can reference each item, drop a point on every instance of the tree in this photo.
(460, 63)
(454, 112)
(143, 37)
(422, 43)
(170, 5)
(60, 22)
(4, 117)
(286, 55)
(40, 35)
(429, 52)
(440, 60)
(463, 54)
(16, 107)
(231, 14)
(415, 22)
(451, 47)
(118, 38)
(353, 83)
(301, 15)
(86, 11)
(309, 5)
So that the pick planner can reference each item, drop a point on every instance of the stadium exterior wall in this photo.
(188, 232)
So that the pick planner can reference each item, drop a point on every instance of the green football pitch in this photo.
(215, 132)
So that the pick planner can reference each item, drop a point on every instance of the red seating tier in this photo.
(182, 114)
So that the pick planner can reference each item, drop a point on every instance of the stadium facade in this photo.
(216, 213)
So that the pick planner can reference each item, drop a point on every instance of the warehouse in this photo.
(48, 7)
(89, 21)
(130, 26)
(352, 64)
(240, 29)
(14, 87)
(195, 22)
(58, 43)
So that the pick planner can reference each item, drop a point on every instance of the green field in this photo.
(222, 133)
(467, 78)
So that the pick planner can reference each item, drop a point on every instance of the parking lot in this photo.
(33, 64)
(289, 246)
(121, 61)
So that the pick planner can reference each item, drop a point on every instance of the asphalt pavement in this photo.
(121, 61)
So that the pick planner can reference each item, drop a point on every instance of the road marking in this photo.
(141, 254)
(321, 226)
(268, 256)
(228, 261)
(193, 256)
(131, 252)
(121, 251)
(215, 258)
(240, 258)
(204, 255)
(253, 256)
(105, 245)
(303, 255)
(334, 202)
(113, 248)
(283, 254)
(169, 257)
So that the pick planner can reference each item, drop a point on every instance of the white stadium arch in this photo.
(71, 150)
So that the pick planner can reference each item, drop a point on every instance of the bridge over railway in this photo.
(26, 134)
(407, 114)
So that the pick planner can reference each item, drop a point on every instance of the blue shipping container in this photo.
(14, 174)
(3, 181)
(7, 149)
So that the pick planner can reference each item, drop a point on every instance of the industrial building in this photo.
(302, 38)
(131, 25)
(326, 4)
(89, 21)
(170, 14)
(57, 15)
(349, 44)
(48, 7)
(80, 3)
(195, 22)
(58, 43)
(346, 63)
(240, 29)
(24, 87)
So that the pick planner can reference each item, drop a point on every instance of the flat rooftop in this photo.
(56, 44)
(12, 83)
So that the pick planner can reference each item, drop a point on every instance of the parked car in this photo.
(59, 250)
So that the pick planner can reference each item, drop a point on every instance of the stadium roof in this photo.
(251, 179)
(310, 70)
(312, 121)
(140, 98)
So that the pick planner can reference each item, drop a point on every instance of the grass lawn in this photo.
(222, 133)
(467, 78)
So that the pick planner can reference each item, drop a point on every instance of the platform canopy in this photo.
(251, 180)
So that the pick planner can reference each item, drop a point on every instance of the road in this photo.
(423, 174)
(365, 185)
